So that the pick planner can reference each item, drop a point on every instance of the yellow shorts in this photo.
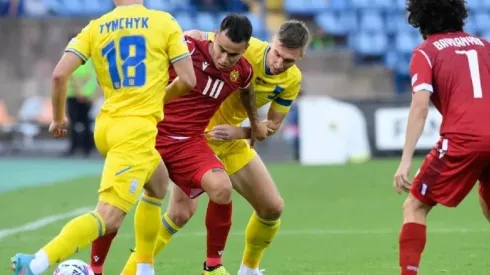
(233, 154)
(128, 144)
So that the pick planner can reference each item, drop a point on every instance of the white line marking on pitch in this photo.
(42, 222)
(45, 221)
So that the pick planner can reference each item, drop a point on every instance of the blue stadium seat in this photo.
(74, 7)
(331, 24)
(295, 6)
(185, 21)
(383, 4)
(257, 22)
(97, 7)
(157, 5)
(337, 23)
(402, 65)
(338, 5)
(405, 42)
(370, 43)
(474, 4)
(308, 7)
(206, 21)
(371, 20)
(482, 21)
(400, 5)
(402, 25)
(470, 26)
(390, 59)
(360, 4)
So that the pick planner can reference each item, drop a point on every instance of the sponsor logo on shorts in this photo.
(423, 189)
(133, 186)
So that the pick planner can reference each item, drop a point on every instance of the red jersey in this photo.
(455, 68)
(189, 115)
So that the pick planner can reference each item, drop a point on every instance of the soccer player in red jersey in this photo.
(451, 68)
(193, 166)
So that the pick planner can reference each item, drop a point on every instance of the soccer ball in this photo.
(73, 267)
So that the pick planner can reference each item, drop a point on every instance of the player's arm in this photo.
(76, 53)
(422, 88)
(180, 58)
(277, 112)
(421, 72)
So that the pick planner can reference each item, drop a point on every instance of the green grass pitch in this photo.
(337, 220)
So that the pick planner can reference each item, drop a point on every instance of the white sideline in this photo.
(45, 221)
(42, 222)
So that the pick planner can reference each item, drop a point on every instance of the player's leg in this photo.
(180, 209)
(147, 218)
(255, 184)
(484, 192)
(442, 179)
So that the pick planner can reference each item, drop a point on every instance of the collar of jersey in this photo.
(266, 69)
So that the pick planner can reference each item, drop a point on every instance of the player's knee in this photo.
(218, 186)
(222, 193)
(181, 216)
(158, 183)
(414, 210)
(113, 217)
(271, 210)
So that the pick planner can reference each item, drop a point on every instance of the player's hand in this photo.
(57, 128)
(400, 181)
(224, 132)
(259, 132)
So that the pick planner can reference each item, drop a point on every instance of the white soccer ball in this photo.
(73, 267)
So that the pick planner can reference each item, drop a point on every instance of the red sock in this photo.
(412, 243)
(100, 249)
(218, 224)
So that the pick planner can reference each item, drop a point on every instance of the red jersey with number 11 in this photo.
(188, 116)
(455, 68)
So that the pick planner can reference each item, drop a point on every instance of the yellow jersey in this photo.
(131, 48)
(280, 89)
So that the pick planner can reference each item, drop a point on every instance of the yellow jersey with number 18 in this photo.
(280, 89)
(131, 48)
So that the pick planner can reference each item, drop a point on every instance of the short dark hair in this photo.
(294, 34)
(437, 16)
(238, 28)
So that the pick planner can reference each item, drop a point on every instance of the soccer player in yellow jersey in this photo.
(276, 80)
(131, 48)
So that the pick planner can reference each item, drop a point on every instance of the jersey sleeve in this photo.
(248, 73)
(421, 71)
(176, 44)
(80, 45)
(283, 101)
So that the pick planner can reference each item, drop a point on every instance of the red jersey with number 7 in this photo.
(188, 116)
(455, 68)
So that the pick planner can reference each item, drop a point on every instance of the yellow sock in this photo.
(258, 236)
(77, 233)
(167, 229)
(146, 228)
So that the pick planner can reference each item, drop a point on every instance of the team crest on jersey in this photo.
(234, 75)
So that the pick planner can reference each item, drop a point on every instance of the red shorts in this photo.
(449, 172)
(187, 160)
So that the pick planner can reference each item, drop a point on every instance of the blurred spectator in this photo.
(321, 41)
(82, 90)
(9, 7)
